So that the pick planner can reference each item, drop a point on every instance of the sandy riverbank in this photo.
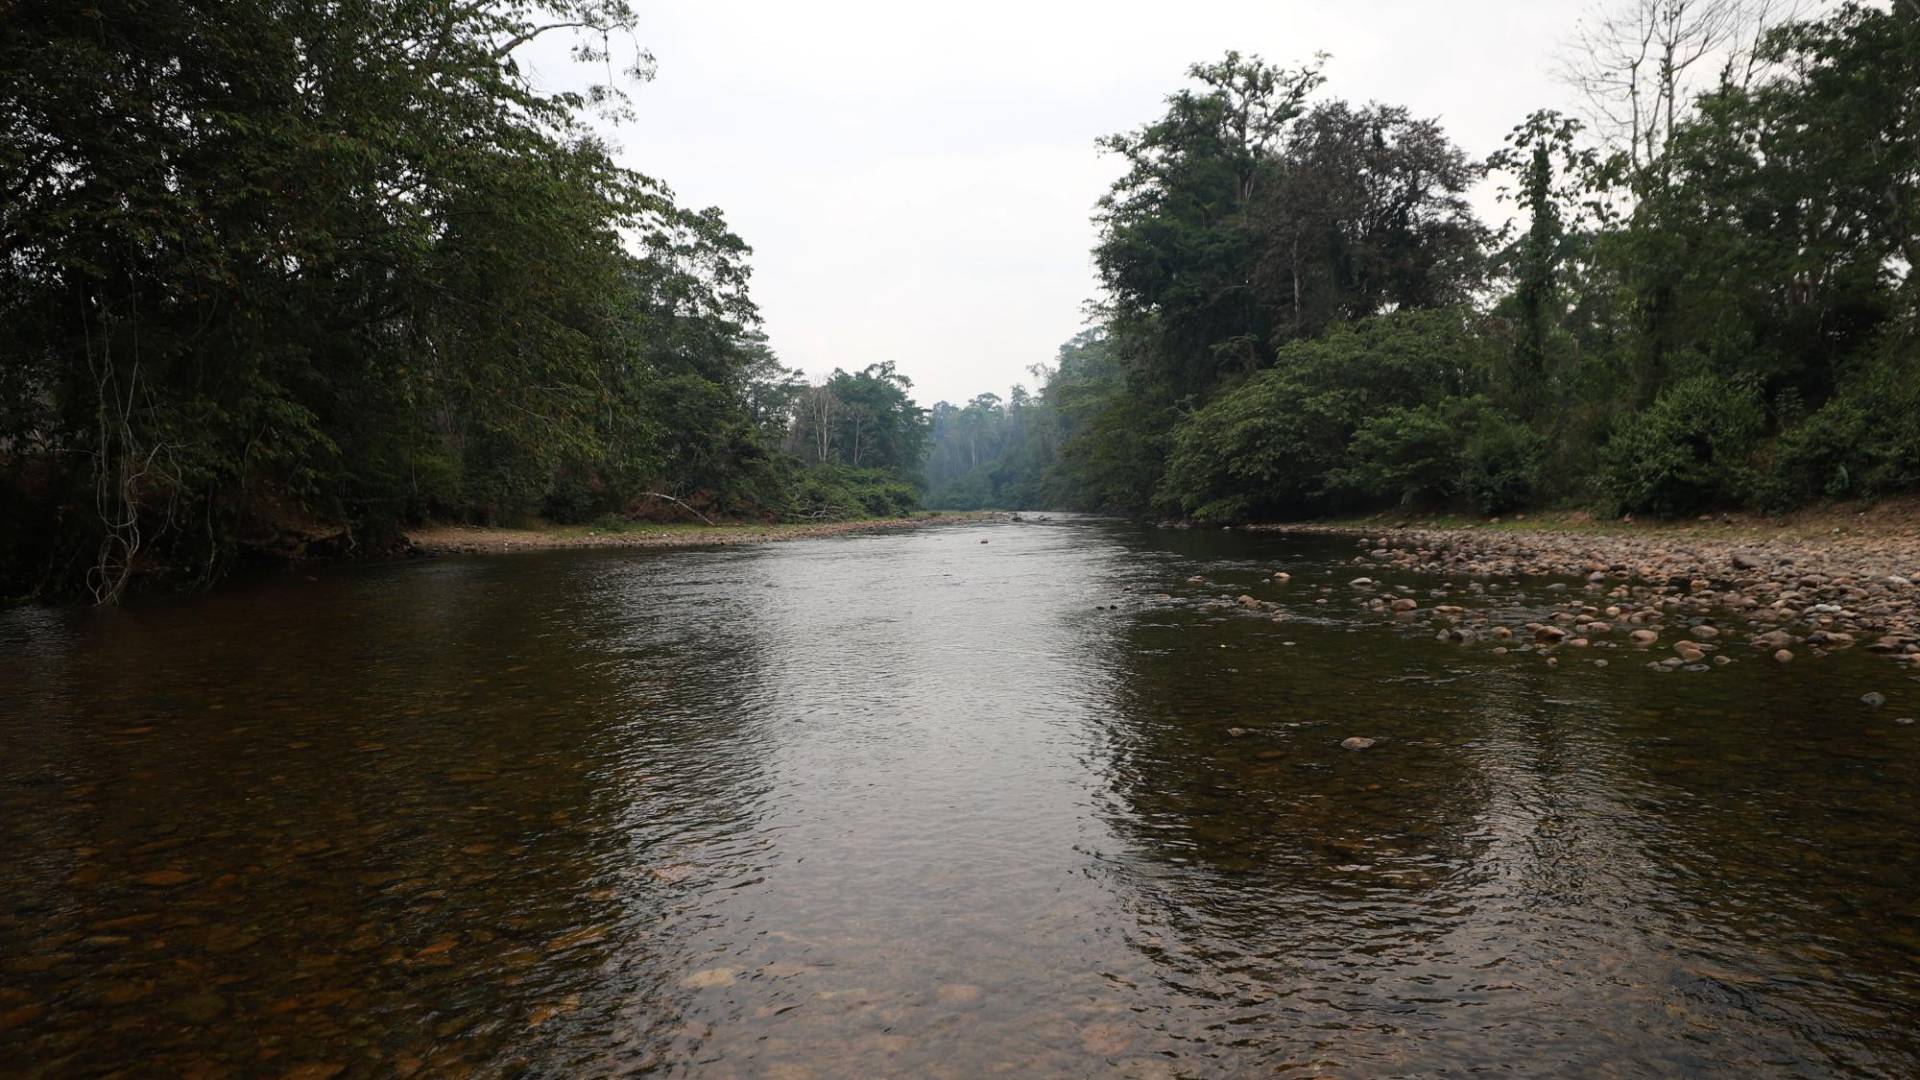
(476, 539)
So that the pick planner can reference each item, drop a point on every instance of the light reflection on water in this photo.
(917, 805)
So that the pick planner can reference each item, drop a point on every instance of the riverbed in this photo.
(1037, 798)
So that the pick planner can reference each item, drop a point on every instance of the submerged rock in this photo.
(957, 994)
(1356, 742)
(1873, 698)
(164, 879)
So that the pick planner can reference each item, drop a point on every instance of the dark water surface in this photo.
(911, 805)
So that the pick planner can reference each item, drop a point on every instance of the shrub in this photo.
(840, 492)
(1692, 447)
(1500, 464)
(569, 501)
(1864, 442)
(1407, 456)
(1279, 442)
(1461, 449)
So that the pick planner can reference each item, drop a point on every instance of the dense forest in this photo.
(287, 278)
(1707, 297)
(290, 280)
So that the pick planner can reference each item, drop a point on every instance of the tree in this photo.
(305, 273)
(1366, 212)
(1176, 250)
(1639, 65)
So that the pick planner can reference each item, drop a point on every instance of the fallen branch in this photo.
(681, 502)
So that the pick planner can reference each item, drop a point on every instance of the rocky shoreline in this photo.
(1675, 590)
(487, 540)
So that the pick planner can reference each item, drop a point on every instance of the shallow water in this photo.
(916, 805)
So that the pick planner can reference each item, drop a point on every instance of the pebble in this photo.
(200, 1008)
(957, 994)
(21, 1015)
(1356, 742)
(164, 879)
(1833, 591)
(1873, 698)
(710, 978)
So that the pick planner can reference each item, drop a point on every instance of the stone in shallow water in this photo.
(164, 879)
(202, 1008)
(1873, 698)
(1105, 1038)
(20, 1015)
(586, 935)
(1356, 742)
(709, 979)
(957, 994)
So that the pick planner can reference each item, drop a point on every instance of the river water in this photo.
(956, 802)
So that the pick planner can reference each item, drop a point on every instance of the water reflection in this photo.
(918, 805)
(1606, 869)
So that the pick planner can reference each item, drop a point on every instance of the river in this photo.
(1009, 799)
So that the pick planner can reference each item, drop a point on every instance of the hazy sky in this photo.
(916, 179)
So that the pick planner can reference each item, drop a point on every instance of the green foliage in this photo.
(1500, 463)
(1178, 248)
(1411, 456)
(840, 492)
(1438, 455)
(863, 419)
(349, 263)
(1349, 414)
(1863, 443)
(1692, 448)
(1757, 244)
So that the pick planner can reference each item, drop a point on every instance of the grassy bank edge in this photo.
(455, 539)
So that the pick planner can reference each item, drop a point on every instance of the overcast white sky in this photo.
(916, 179)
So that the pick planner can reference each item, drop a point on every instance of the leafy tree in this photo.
(1366, 213)
(301, 274)
(864, 419)
(1284, 442)
(1177, 249)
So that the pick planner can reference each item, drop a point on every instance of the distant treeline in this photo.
(1708, 297)
(280, 276)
